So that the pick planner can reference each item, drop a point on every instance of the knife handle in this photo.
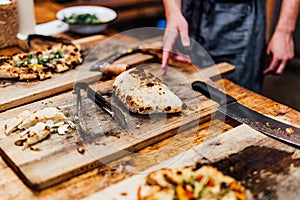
(112, 58)
(212, 93)
(123, 53)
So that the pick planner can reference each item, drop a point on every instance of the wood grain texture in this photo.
(15, 93)
(96, 180)
(93, 181)
(267, 168)
(102, 139)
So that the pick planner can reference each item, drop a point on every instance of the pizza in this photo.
(189, 183)
(34, 126)
(143, 93)
(40, 64)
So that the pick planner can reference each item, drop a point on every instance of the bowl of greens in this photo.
(87, 19)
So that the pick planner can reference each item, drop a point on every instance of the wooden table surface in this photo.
(84, 185)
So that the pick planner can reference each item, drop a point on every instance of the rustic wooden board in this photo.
(58, 158)
(267, 168)
(15, 93)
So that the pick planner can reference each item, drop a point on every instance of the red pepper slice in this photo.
(200, 177)
(211, 182)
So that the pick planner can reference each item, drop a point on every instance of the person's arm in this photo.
(176, 23)
(281, 45)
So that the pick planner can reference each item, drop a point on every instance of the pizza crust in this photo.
(43, 115)
(189, 183)
(40, 64)
(10, 125)
(34, 134)
(143, 93)
(34, 126)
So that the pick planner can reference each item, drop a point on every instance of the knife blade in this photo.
(229, 106)
(98, 66)
(112, 110)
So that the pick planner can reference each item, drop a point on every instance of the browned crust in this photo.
(10, 70)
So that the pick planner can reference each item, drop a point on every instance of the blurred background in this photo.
(149, 13)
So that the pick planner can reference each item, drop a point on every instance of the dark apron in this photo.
(230, 31)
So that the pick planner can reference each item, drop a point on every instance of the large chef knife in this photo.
(230, 107)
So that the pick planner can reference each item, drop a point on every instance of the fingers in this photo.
(281, 68)
(165, 70)
(181, 57)
(280, 50)
(184, 36)
(272, 67)
(165, 58)
(168, 43)
(276, 67)
(169, 39)
(171, 33)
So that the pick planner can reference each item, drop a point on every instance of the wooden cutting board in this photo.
(15, 93)
(57, 158)
(267, 168)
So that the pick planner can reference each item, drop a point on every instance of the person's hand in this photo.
(280, 51)
(176, 24)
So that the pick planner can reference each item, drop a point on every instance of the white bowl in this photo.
(104, 14)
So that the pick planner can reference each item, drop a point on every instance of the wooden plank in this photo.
(100, 178)
(58, 158)
(15, 93)
(267, 168)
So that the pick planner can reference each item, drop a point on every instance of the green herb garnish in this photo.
(32, 59)
(30, 56)
(55, 56)
(82, 19)
(19, 64)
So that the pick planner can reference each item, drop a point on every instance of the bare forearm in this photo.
(281, 45)
(288, 16)
(176, 24)
(172, 6)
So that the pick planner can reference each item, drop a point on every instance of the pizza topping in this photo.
(34, 134)
(40, 64)
(189, 183)
(35, 126)
(234, 186)
(63, 129)
(183, 194)
(200, 177)
(43, 115)
(10, 125)
(224, 185)
(210, 182)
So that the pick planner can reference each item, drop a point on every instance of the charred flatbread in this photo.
(143, 93)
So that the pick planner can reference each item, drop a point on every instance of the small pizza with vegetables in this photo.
(40, 64)
(189, 183)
